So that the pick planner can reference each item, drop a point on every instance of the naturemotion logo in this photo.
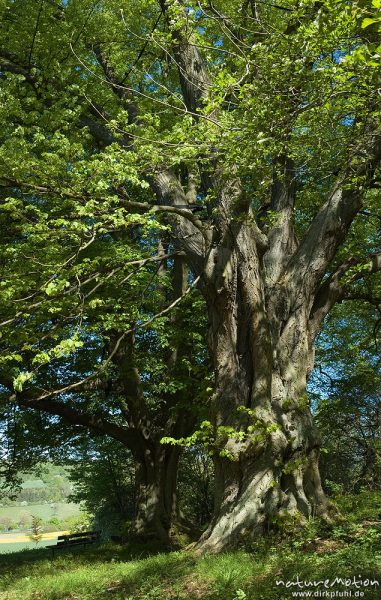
(353, 587)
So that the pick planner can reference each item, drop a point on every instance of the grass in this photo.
(352, 548)
(17, 546)
(45, 511)
(361, 506)
(61, 510)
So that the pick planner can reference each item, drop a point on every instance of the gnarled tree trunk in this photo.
(156, 492)
(267, 294)
(157, 511)
(262, 350)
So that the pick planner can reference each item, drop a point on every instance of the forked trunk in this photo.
(267, 447)
(156, 499)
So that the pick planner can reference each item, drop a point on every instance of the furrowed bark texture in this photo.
(156, 487)
(265, 307)
(266, 297)
(262, 352)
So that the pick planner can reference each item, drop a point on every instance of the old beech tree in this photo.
(248, 131)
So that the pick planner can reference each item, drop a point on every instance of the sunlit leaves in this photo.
(21, 379)
(376, 18)
(298, 82)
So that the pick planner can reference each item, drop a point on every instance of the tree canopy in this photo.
(186, 188)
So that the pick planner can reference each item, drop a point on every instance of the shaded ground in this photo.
(351, 548)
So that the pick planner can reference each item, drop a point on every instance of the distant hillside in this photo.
(44, 494)
(49, 483)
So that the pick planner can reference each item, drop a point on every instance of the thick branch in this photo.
(82, 383)
(334, 289)
(119, 90)
(361, 295)
(100, 133)
(331, 224)
(193, 235)
(132, 401)
(194, 77)
(128, 436)
(11, 63)
(178, 195)
(165, 185)
(281, 237)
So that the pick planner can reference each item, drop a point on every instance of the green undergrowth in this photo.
(351, 548)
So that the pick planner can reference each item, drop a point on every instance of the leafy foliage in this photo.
(36, 532)
(347, 391)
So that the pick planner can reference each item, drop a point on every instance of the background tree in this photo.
(133, 386)
(103, 474)
(36, 530)
(347, 392)
(103, 477)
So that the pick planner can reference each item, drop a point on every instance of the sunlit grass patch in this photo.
(141, 572)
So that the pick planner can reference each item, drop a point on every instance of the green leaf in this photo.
(22, 378)
(368, 21)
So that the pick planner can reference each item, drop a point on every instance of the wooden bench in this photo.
(71, 540)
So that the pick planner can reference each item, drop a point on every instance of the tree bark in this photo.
(267, 463)
(156, 493)
(157, 464)
(262, 299)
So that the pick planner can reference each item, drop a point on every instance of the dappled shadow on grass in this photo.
(157, 577)
(146, 572)
(108, 571)
(289, 566)
(138, 573)
(183, 576)
(40, 560)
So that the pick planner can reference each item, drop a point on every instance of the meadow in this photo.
(6, 548)
(351, 548)
(46, 499)
(59, 510)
